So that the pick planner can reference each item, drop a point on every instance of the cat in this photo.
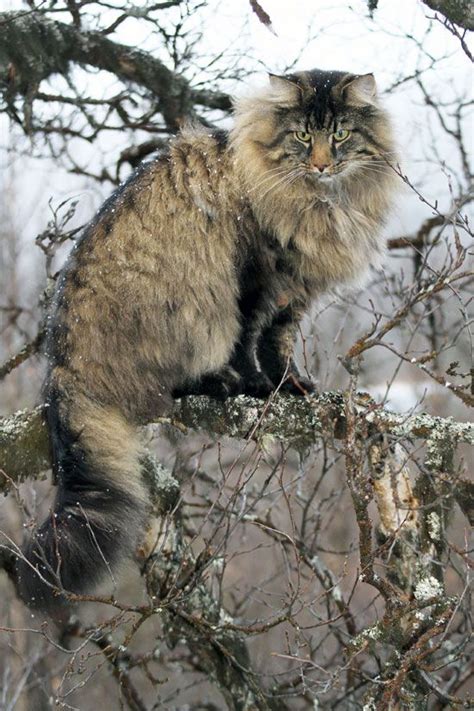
(193, 278)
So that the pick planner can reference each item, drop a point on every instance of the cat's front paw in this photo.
(257, 385)
(219, 385)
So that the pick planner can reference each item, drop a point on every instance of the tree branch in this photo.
(24, 447)
(461, 12)
(53, 46)
(24, 450)
(23, 354)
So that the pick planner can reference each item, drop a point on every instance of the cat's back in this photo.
(189, 184)
(154, 267)
(175, 214)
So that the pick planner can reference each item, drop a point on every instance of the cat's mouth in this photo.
(325, 176)
(330, 174)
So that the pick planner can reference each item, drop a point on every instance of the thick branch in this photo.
(53, 46)
(461, 12)
(24, 447)
(24, 451)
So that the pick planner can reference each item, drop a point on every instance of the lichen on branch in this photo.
(299, 422)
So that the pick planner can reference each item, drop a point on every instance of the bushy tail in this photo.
(99, 509)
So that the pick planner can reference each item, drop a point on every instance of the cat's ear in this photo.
(285, 88)
(359, 90)
(279, 81)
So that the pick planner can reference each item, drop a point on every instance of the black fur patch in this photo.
(85, 533)
(221, 137)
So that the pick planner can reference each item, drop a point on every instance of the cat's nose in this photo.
(320, 166)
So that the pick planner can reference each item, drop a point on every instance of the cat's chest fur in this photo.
(322, 244)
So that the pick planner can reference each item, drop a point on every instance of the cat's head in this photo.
(318, 126)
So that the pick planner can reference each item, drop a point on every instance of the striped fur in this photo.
(193, 278)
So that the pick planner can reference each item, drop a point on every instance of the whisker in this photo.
(381, 168)
(272, 187)
(379, 171)
(295, 173)
(266, 178)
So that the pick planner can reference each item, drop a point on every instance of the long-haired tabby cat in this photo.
(193, 277)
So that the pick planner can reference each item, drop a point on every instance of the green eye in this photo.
(341, 134)
(302, 136)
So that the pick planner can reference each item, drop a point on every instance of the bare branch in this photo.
(297, 421)
(54, 46)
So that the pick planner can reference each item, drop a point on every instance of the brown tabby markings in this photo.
(206, 259)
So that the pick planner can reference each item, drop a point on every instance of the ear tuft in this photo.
(279, 81)
(285, 88)
(360, 90)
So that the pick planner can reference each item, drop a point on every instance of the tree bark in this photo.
(461, 12)
(34, 47)
(24, 450)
